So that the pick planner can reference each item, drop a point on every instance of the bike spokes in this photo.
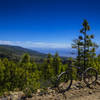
(64, 82)
(90, 76)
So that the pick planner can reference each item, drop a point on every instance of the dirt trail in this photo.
(78, 91)
(75, 93)
(95, 96)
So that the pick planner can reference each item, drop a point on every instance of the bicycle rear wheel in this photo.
(90, 76)
(64, 81)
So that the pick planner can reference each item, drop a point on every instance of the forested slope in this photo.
(15, 52)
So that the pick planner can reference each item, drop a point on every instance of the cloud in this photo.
(30, 44)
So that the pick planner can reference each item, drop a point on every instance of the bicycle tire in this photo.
(63, 79)
(87, 77)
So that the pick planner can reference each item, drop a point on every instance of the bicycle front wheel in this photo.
(64, 81)
(90, 76)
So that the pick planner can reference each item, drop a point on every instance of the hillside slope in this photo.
(15, 52)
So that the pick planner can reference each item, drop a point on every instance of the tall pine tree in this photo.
(85, 47)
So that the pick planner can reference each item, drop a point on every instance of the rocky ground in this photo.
(78, 91)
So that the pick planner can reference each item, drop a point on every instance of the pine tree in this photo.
(47, 69)
(25, 58)
(85, 47)
(78, 44)
(2, 76)
(57, 64)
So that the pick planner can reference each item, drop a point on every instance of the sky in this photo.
(47, 23)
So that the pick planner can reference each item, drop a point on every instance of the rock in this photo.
(38, 90)
(75, 87)
(14, 97)
(90, 92)
(8, 98)
(98, 82)
(50, 97)
(85, 89)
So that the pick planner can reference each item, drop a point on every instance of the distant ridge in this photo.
(15, 52)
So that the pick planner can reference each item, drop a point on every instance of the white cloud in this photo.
(30, 44)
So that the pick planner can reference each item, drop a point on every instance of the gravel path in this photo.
(74, 93)
(78, 91)
(95, 96)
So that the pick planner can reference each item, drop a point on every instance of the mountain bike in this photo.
(64, 80)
